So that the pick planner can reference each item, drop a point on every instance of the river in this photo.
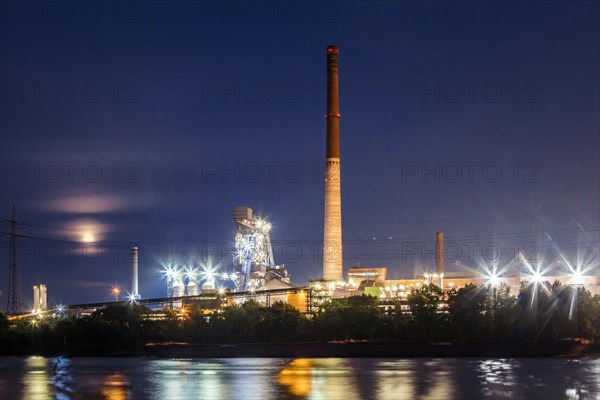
(34, 378)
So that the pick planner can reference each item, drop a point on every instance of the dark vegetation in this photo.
(467, 315)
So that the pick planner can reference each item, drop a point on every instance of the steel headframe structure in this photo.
(252, 244)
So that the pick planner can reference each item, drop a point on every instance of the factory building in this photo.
(296, 297)
(375, 282)
(401, 288)
(357, 275)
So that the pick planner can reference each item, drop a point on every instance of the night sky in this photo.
(145, 122)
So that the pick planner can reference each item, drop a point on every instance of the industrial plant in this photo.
(255, 274)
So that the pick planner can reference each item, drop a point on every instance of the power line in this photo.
(502, 235)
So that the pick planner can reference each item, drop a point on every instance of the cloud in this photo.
(88, 204)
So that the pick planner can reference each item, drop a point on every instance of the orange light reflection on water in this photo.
(114, 387)
(296, 377)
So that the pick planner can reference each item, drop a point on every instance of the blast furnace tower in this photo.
(254, 253)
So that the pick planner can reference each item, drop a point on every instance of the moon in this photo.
(88, 237)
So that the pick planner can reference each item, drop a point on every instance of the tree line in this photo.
(474, 313)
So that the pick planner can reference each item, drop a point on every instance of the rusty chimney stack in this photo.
(332, 237)
(439, 253)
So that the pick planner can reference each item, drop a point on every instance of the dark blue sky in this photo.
(187, 109)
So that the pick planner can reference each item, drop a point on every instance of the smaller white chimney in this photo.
(134, 264)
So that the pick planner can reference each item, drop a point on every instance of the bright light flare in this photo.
(191, 273)
(116, 291)
(183, 313)
(577, 277)
(537, 277)
(586, 262)
(537, 282)
(171, 272)
(536, 274)
(494, 278)
(262, 225)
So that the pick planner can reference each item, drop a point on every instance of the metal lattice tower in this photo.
(15, 293)
(252, 243)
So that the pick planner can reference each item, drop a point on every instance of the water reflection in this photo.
(296, 377)
(319, 378)
(37, 379)
(331, 374)
(61, 378)
(209, 381)
(169, 377)
(115, 387)
(367, 379)
(214, 379)
(585, 385)
(252, 377)
(395, 378)
(302, 378)
(415, 378)
(497, 377)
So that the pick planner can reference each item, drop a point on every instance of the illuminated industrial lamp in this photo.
(494, 279)
(190, 273)
(171, 273)
(577, 277)
(537, 277)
